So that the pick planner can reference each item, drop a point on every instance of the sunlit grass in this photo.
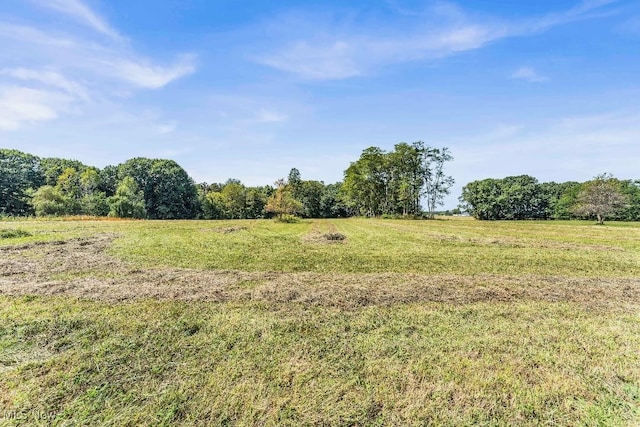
(173, 363)
(540, 358)
(459, 247)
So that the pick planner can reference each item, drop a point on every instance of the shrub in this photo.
(286, 218)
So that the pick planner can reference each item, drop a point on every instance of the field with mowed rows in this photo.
(365, 322)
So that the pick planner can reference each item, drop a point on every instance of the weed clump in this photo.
(228, 230)
(10, 233)
(334, 236)
(288, 219)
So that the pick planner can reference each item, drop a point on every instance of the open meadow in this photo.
(252, 322)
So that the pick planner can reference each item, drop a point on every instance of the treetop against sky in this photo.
(250, 89)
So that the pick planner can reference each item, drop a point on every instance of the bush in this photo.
(8, 233)
(286, 218)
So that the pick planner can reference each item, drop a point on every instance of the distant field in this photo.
(448, 322)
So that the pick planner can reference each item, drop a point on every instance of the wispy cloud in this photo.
(25, 35)
(586, 9)
(569, 148)
(325, 57)
(528, 74)
(48, 78)
(82, 13)
(20, 105)
(50, 62)
(268, 116)
(330, 49)
(317, 60)
(167, 128)
(142, 73)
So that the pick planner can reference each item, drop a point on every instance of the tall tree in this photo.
(562, 197)
(53, 167)
(68, 184)
(332, 203)
(169, 192)
(282, 201)
(481, 199)
(19, 173)
(437, 183)
(407, 179)
(381, 183)
(601, 198)
(234, 195)
(631, 189)
(310, 195)
(294, 180)
(367, 183)
(49, 201)
(128, 202)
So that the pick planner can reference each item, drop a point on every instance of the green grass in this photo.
(462, 247)
(13, 233)
(529, 360)
(372, 246)
(168, 363)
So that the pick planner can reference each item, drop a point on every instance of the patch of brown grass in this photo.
(81, 268)
(324, 231)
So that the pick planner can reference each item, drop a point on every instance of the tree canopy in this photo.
(601, 198)
(523, 197)
(19, 173)
(394, 183)
(409, 181)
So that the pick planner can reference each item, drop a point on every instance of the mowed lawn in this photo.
(448, 322)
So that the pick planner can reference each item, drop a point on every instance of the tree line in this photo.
(378, 183)
(523, 197)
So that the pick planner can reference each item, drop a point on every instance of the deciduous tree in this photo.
(601, 198)
(128, 202)
(282, 201)
(19, 173)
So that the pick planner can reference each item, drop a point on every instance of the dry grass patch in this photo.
(324, 231)
(82, 268)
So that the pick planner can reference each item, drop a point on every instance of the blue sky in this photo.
(248, 89)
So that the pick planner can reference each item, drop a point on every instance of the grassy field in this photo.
(449, 322)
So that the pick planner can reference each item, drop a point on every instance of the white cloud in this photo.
(567, 149)
(47, 77)
(587, 9)
(320, 60)
(78, 10)
(20, 105)
(266, 116)
(52, 63)
(164, 129)
(528, 74)
(346, 56)
(92, 58)
(317, 50)
(143, 74)
(25, 35)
